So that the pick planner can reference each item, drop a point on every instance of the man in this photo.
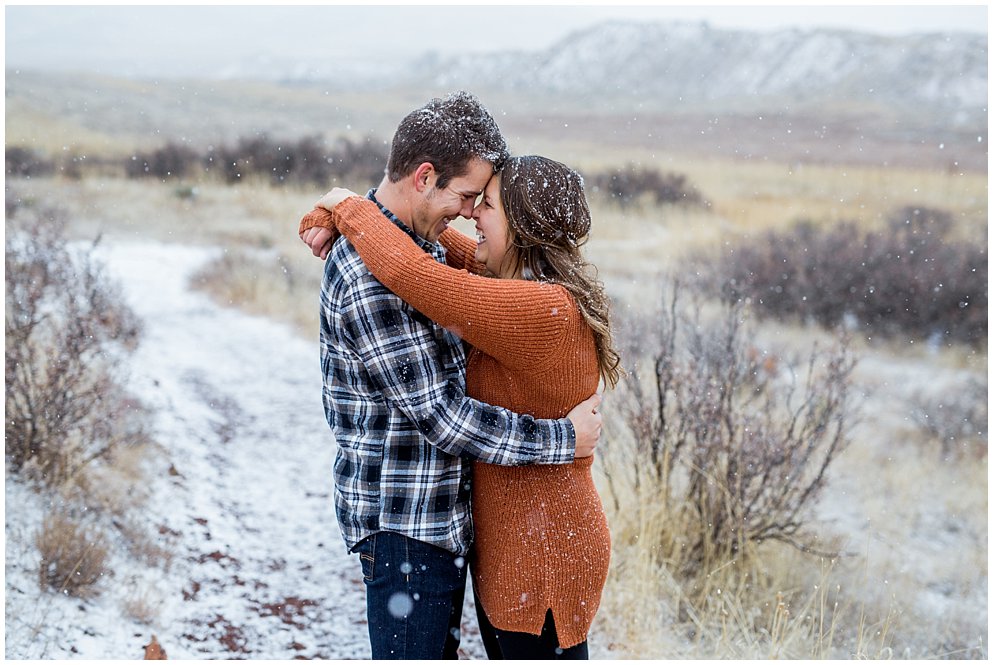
(394, 395)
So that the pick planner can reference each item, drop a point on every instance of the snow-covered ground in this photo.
(242, 496)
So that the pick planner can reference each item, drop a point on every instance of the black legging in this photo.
(508, 645)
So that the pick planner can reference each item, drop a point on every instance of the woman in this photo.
(540, 342)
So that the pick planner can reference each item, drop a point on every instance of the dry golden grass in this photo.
(73, 555)
(116, 485)
(265, 284)
(118, 489)
(143, 603)
(771, 602)
(923, 528)
(910, 583)
(58, 136)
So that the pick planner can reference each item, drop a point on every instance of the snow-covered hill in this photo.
(692, 66)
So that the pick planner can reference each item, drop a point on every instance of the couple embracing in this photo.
(460, 382)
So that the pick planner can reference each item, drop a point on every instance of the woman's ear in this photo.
(424, 177)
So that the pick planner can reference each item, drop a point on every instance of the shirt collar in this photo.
(429, 247)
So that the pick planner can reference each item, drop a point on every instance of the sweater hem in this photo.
(566, 641)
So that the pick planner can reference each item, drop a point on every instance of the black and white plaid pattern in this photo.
(394, 396)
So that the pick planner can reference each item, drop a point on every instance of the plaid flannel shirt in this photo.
(394, 396)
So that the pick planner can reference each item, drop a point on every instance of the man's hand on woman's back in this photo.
(587, 421)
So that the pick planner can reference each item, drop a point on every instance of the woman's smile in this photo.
(492, 231)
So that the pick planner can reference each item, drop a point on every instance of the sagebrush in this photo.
(911, 278)
(67, 328)
(630, 184)
(956, 420)
(729, 441)
(307, 161)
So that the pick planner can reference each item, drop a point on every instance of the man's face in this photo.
(438, 207)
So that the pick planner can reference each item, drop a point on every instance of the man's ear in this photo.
(424, 177)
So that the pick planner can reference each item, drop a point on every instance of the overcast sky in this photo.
(183, 39)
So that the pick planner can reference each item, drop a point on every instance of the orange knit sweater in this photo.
(540, 532)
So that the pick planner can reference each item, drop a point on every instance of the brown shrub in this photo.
(173, 160)
(306, 161)
(956, 420)
(26, 163)
(358, 163)
(730, 444)
(66, 330)
(909, 279)
(73, 555)
(627, 185)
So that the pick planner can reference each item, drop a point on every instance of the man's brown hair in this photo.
(448, 133)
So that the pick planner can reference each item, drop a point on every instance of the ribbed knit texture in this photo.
(541, 534)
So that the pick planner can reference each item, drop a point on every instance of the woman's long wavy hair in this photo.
(549, 221)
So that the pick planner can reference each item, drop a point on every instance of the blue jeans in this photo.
(414, 593)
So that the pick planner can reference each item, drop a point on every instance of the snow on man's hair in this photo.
(448, 133)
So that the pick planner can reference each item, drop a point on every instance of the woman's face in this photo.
(493, 247)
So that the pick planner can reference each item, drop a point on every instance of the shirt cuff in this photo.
(561, 447)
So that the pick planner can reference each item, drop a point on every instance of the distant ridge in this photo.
(940, 78)
(684, 88)
(695, 66)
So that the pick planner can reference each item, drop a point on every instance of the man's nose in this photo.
(467, 209)
(475, 212)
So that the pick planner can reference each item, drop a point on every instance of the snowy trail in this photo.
(246, 499)
(241, 498)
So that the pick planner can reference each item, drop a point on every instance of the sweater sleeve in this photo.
(460, 251)
(520, 323)
(318, 217)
